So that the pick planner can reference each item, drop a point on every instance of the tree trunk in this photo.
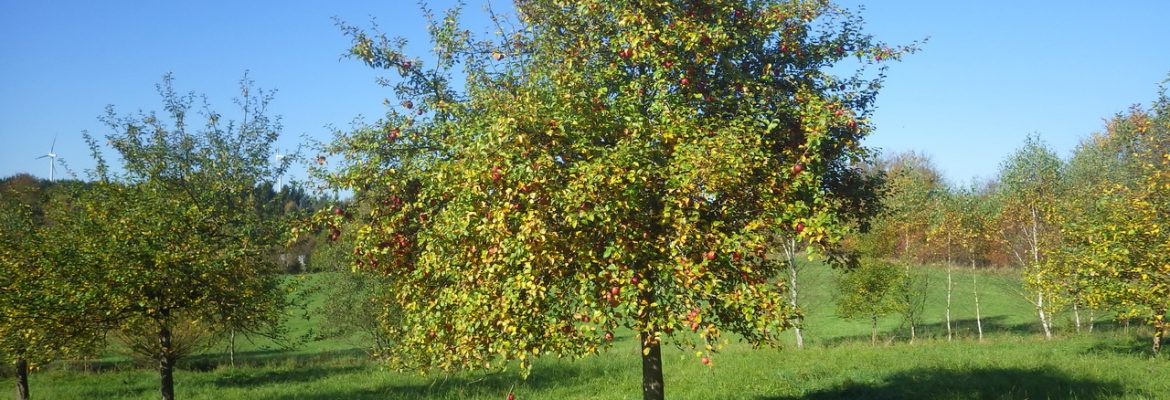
(652, 382)
(232, 347)
(22, 379)
(975, 290)
(1092, 319)
(166, 363)
(1043, 316)
(1160, 327)
(873, 330)
(1044, 321)
(1157, 345)
(790, 252)
(950, 286)
(1077, 316)
(911, 312)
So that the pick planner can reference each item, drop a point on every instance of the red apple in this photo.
(616, 290)
(633, 280)
(608, 336)
(735, 256)
(625, 53)
(710, 255)
(668, 63)
(706, 361)
(320, 160)
(799, 227)
(796, 168)
(407, 64)
(511, 396)
(684, 81)
(408, 104)
(393, 135)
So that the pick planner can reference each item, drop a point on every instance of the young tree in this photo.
(1030, 180)
(909, 200)
(973, 232)
(178, 232)
(910, 197)
(943, 234)
(870, 291)
(608, 164)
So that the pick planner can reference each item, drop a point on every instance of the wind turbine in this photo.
(52, 158)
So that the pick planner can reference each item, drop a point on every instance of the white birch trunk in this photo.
(975, 291)
(790, 252)
(950, 286)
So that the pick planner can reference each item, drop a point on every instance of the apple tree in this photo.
(602, 165)
(45, 304)
(178, 232)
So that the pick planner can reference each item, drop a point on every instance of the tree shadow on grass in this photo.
(489, 384)
(978, 384)
(962, 328)
(270, 357)
(264, 377)
(1132, 345)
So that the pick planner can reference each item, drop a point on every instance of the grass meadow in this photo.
(838, 362)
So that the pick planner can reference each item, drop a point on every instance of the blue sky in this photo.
(991, 73)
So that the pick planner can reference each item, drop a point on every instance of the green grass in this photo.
(1014, 362)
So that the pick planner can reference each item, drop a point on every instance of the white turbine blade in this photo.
(54, 145)
(38, 158)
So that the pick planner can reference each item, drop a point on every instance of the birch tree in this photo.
(1030, 182)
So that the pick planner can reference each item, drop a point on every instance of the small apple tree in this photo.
(180, 235)
(44, 301)
(605, 165)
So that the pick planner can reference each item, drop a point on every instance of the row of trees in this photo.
(1083, 232)
(175, 243)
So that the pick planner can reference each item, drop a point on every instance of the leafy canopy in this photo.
(605, 164)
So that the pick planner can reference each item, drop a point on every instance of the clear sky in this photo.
(991, 73)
